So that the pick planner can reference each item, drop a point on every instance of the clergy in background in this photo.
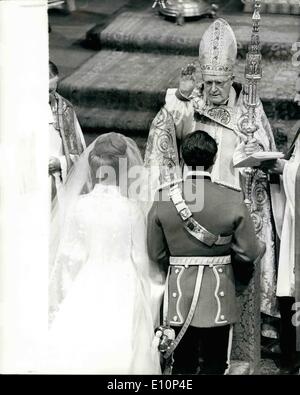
(66, 141)
(287, 215)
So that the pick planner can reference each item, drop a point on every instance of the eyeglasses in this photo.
(217, 83)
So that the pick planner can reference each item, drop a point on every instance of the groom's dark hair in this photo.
(199, 150)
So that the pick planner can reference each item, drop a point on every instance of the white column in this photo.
(24, 206)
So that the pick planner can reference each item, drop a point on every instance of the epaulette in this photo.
(169, 184)
(227, 185)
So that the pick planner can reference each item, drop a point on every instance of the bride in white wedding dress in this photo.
(101, 321)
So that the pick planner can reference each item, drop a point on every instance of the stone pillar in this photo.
(24, 206)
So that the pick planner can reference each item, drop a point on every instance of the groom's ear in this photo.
(212, 165)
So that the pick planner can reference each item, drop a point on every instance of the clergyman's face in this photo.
(217, 88)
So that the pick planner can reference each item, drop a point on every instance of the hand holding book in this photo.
(253, 156)
(259, 159)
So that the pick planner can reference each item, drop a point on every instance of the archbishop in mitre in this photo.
(215, 105)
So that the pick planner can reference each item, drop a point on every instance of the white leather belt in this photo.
(190, 224)
(200, 260)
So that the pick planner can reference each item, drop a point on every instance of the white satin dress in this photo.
(104, 324)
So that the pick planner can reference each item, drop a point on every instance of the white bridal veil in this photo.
(119, 275)
(133, 182)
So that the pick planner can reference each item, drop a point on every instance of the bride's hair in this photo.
(107, 151)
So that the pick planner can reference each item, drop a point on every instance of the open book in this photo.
(257, 158)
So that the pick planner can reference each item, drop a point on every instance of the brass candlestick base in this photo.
(185, 8)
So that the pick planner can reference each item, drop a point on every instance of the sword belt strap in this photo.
(190, 315)
(191, 225)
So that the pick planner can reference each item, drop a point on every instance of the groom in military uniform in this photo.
(197, 243)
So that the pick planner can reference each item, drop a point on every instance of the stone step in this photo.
(121, 80)
(99, 120)
(149, 32)
(138, 81)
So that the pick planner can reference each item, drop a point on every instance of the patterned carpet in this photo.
(124, 90)
(123, 86)
(148, 32)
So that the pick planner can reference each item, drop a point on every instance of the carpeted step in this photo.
(138, 82)
(99, 120)
(119, 80)
(149, 32)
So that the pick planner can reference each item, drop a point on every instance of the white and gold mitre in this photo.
(218, 49)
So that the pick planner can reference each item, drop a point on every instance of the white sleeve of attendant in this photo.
(264, 134)
(289, 182)
(278, 199)
(79, 131)
(63, 162)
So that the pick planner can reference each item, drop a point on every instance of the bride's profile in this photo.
(99, 292)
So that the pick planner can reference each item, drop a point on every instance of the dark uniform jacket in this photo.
(224, 213)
